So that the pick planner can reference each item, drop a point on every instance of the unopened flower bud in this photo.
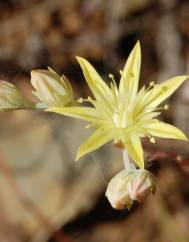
(11, 98)
(51, 89)
(129, 186)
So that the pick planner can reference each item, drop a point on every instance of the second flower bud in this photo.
(129, 186)
(51, 89)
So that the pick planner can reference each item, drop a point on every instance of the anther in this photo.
(152, 140)
(121, 72)
(152, 83)
(89, 126)
(112, 78)
(80, 100)
(166, 107)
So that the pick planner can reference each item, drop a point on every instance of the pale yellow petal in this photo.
(161, 92)
(130, 77)
(103, 110)
(133, 145)
(84, 113)
(95, 141)
(67, 85)
(146, 116)
(98, 87)
(164, 130)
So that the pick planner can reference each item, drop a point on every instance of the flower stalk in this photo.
(128, 164)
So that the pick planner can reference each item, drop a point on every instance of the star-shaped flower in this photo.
(122, 114)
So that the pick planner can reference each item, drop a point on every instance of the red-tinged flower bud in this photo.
(51, 89)
(11, 98)
(129, 186)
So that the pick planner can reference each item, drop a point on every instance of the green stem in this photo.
(129, 166)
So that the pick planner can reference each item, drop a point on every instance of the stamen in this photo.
(152, 140)
(166, 107)
(154, 95)
(89, 99)
(80, 100)
(151, 85)
(116, 119)
(89, 126)
(121, 73)
(112, 78)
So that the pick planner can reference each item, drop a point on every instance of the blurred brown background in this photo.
(44, 194)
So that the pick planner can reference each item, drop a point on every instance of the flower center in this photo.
(123, 118)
